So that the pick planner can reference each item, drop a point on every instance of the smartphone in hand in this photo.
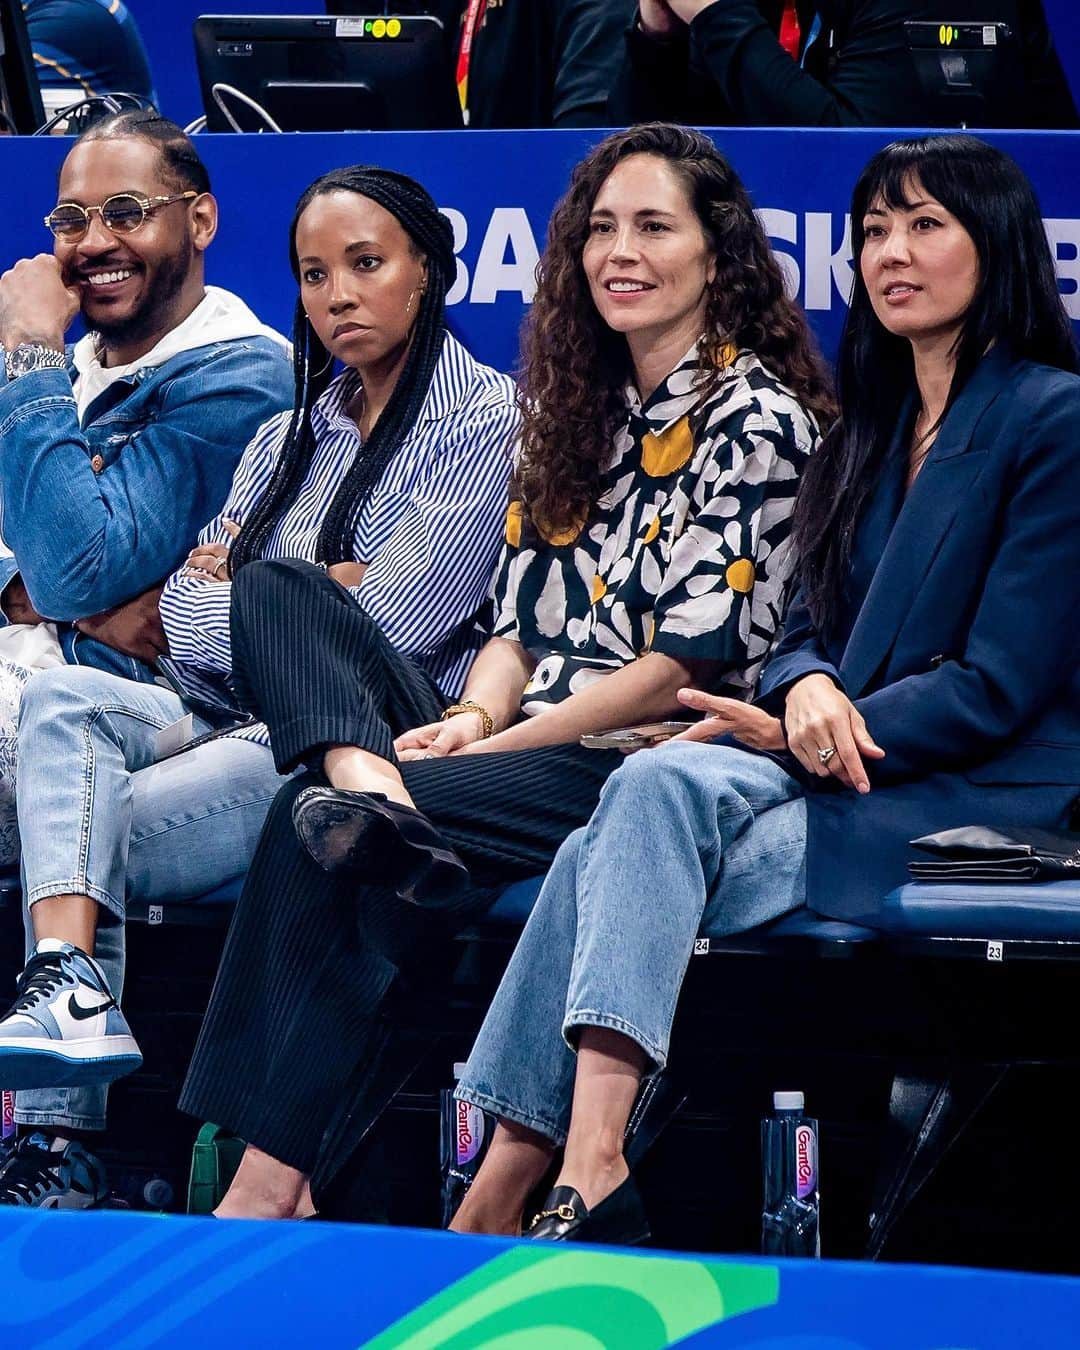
(633, 738)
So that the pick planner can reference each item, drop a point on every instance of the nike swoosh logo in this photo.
(81, 1014)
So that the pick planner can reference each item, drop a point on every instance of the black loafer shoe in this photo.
(619, 1219)
(388, 843)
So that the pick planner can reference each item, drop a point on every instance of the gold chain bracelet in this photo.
(468, 705)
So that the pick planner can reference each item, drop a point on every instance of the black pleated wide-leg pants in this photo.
(300, 999)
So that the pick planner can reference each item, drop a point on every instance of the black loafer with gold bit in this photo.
(619, 1219)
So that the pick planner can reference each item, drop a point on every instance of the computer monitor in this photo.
(20, 94)
(970, 70)
(338, 73)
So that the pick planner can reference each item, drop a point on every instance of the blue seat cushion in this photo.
(1035, 911)
(226, 894)
(511, 910)
(515, 904)
(804, 923)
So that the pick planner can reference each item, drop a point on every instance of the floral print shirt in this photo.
(686, 551)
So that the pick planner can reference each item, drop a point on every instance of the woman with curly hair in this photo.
(671, 395)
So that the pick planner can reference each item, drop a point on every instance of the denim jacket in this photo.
(97, 514)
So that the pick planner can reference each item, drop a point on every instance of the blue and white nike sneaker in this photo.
(64, 1029)
(48, 1173)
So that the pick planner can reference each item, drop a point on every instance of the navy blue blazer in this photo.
(959, 638)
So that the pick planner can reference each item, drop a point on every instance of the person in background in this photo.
(392, 472)
(529, 63)
(928, 678)
(117, 451)
(83, 48)
(824, 63)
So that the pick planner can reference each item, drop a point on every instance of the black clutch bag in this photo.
(978, 853)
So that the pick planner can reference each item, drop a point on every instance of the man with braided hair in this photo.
(388, 482)
(116, 449)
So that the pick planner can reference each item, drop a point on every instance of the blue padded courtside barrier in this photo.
(129, 1281)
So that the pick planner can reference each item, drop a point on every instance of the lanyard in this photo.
(469, 25)
(790, 32)
(812, 37)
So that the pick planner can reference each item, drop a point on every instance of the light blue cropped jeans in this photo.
(687, 839)
(98, 817)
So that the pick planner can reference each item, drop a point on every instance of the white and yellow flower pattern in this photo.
(686, 551)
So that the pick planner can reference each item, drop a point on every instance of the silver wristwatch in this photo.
(30, 356)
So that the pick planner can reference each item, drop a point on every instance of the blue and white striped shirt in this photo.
(429, 533)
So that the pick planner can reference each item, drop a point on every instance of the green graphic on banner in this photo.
(534, 1298)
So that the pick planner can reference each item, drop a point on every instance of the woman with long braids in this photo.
(389, 476)
(670, 399)
(927, 679)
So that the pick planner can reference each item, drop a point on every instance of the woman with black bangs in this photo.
(929, 678)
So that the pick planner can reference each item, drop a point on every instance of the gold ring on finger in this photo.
(221, 562)
(826, 754)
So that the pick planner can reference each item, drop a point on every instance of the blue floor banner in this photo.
(498, 188)
(128, 1281)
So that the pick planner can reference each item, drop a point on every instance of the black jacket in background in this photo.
(730, 69)
(535, 63)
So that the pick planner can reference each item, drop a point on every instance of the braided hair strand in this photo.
(431, 234)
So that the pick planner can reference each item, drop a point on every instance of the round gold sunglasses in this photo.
(120, 214)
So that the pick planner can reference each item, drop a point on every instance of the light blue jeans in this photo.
(98, 817)
(686, 839)
(13, 678)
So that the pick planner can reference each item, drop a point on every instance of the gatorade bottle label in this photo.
(469, 1132)
(805, 1161)
(7, 1103)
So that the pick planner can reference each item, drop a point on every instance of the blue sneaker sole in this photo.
(21, 1069)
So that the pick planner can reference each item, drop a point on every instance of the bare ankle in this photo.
(514, 1166)
(246, 1206)
(600, 1147)
(66, 918)
(593, 1174)
(476, 1216)
(489, 1225)
(355, 770)
(264, 1188)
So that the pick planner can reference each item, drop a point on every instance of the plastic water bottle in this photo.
(789, 1167)
(464, 1135)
